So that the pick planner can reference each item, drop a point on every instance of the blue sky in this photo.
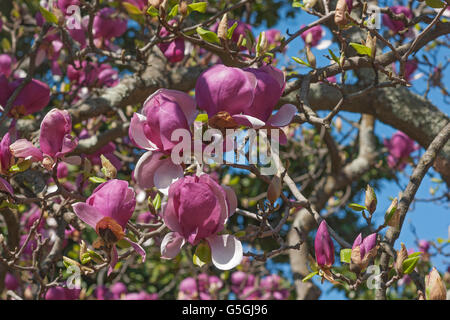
(430, 220)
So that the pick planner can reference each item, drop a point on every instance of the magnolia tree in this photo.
(166, 149)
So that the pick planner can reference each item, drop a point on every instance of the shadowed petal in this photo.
(87, 213)
(226, 251)
(171, 245)
(137, 247)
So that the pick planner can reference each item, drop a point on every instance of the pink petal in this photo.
(231, 200)
(171, 245)
(226, 251)
(151, 171)
(23, 148)
(137, 133)
(137, 248)
(87, 213)
(5, 186)
(248, 121)
(283, 117)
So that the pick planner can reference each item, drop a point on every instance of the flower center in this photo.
(222, 120)
(109, 230)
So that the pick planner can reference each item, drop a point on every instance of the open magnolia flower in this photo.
(197, 209)
(313, 37)
(164, 112)
(232, 97)
(108, 210)
(55, 140)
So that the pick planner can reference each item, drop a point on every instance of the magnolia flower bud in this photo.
(338, 124)
(274, 191)
(155, 3)
(371, 43)
(435, 287)
(108, 169)
(371, 199)
(222, 31)
(342, 7)
(392, 214)
(323, 246)
(183, 8)
(310, 56)
(402, 255)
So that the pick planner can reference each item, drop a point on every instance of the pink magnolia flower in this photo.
(11, 282)
(397, 25)
(205, 287)
(410, 68)
(108, 210)
(271, 286)
(313, 37)
(273, 37)
(108, 25)
(118, 289)
(92, 75)
(424, 246)
(400, 147)
(197, 209)
(64, 4)
(55, 140)
(249, 96)
(60, 293)
(142, 295)
(164, 112)
(174, 50)
(241, 280)
(6, 157)
(323, 246)
(34, 97)
(5, 64)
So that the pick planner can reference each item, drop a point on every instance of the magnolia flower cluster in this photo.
(270, 287)
(400, 147)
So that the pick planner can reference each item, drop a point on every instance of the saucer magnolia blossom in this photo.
(397, 25)
(33, 97)
(313, 37)
(108, 210)
(233, 97)
(400, 147)
(55, 140)
(174, 50)
(196, 210)
(164, 112)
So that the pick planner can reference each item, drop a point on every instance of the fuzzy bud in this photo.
(402, 255)
(222, 31)
(435, 287)
(274, 190)
(371, 200)
(310, 56)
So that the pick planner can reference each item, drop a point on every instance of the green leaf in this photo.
(309, 276)
(48, 16)
(152, 11)
(409, 264)
(437, 4)
(415, 254)
(231, 30)
(300, 61)
(157, 202)
(123, 244)
(346, 255)
(441, 240)
(202, 117)
(5, 204)
(85, 258)
(361, 49)
(336, 59)
(95, 256)
(97, 179)
(437, 180)
(199, 7)
(173, 12)
(202, 255)
(6, 45)
(21, 166)
(208, 36)
(357, 207)
(297, 4)
(240, 234)
(131, 9)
